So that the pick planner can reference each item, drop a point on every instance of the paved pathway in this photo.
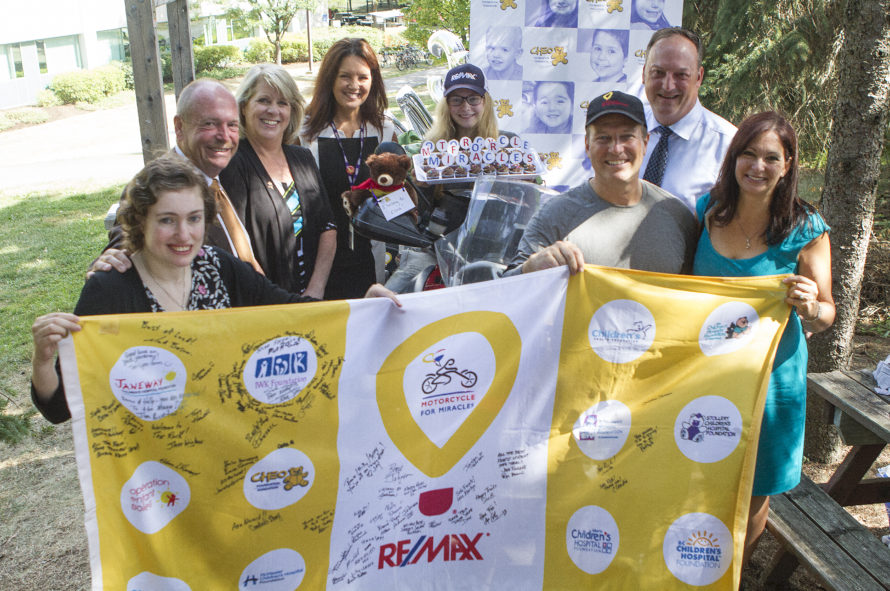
(101, 148)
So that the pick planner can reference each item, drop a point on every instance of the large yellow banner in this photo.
(529, 433)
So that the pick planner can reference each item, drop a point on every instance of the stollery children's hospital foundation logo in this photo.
(708, 429)
(698, 549)
(621, 331)
(279, 369)
(728, 328)
(149, 382)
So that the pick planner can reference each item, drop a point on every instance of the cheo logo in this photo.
(447, 548)
(728, 328)
(592, 539)
(708, 429)
(697, 548)
(279, 369)
(621, 331)
(280, 479)
(148, 381)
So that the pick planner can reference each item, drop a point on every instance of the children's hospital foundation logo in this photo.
(728, 328)
(592, 539)
(621, 331)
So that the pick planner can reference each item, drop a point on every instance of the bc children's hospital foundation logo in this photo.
(698, 548)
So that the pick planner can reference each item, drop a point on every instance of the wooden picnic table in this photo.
(810, 522)
(863, 420)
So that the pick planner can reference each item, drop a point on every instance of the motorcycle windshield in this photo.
(498, 212)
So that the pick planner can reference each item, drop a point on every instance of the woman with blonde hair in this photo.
(276, 188)
(345, 122)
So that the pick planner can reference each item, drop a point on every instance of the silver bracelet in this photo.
(818, 314)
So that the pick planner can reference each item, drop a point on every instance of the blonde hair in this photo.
(444, 128)
(278, 78)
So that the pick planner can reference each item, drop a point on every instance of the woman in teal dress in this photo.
(756, 224)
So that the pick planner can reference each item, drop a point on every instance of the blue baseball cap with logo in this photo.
(465, 76)
(617, 102)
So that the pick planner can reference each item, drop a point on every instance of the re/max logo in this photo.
(281, 365)
(451, 547)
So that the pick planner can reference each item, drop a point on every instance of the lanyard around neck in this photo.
(351, 170)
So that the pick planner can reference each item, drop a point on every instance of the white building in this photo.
(42, 38)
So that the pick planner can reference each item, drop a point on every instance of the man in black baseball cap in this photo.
(614, 219)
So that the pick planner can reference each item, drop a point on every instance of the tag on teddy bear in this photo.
(395, 204)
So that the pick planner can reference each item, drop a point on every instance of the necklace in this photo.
(747, 238)
(184, 288)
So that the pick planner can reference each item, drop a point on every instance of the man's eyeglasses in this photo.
(456, 101)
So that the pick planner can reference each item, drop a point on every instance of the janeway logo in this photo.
(451, 547)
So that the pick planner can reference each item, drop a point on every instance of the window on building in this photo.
(41, 56)
(17, 60)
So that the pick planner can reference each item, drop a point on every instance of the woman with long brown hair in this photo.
(755, 223)
(345, 123)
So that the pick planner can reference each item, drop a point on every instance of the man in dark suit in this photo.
(206, 125)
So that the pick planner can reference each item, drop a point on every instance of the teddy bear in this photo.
(388, 174)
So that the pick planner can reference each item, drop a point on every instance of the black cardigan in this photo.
(265, 215)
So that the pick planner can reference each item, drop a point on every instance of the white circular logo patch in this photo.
(445, 383)
(280, 479)
(697, 549)
(602, 429)
(280, 369)
(146, 581)
(708, 429)
(279, 570)
(149, 382)
(592, 539)
(621, 331)
(728, 328)
(153, 496)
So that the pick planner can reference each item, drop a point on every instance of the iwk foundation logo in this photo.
(279, 369)
(698, 549)
(621, 331)
(708, 429)
(728, 328)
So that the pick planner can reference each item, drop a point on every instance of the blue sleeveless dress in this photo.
(780, 452)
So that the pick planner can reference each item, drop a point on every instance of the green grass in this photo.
(29, 115)
(47, 241)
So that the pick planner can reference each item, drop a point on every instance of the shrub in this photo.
(47, 98)
(214, 57)
(88, 86)
(259, 51)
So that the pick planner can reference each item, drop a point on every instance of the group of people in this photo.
(675, 189)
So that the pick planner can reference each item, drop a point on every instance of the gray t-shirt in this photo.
(656, 234)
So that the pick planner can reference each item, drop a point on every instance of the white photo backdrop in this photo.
(545, 59)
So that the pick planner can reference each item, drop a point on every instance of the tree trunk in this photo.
(851, 177)
(278, 51)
